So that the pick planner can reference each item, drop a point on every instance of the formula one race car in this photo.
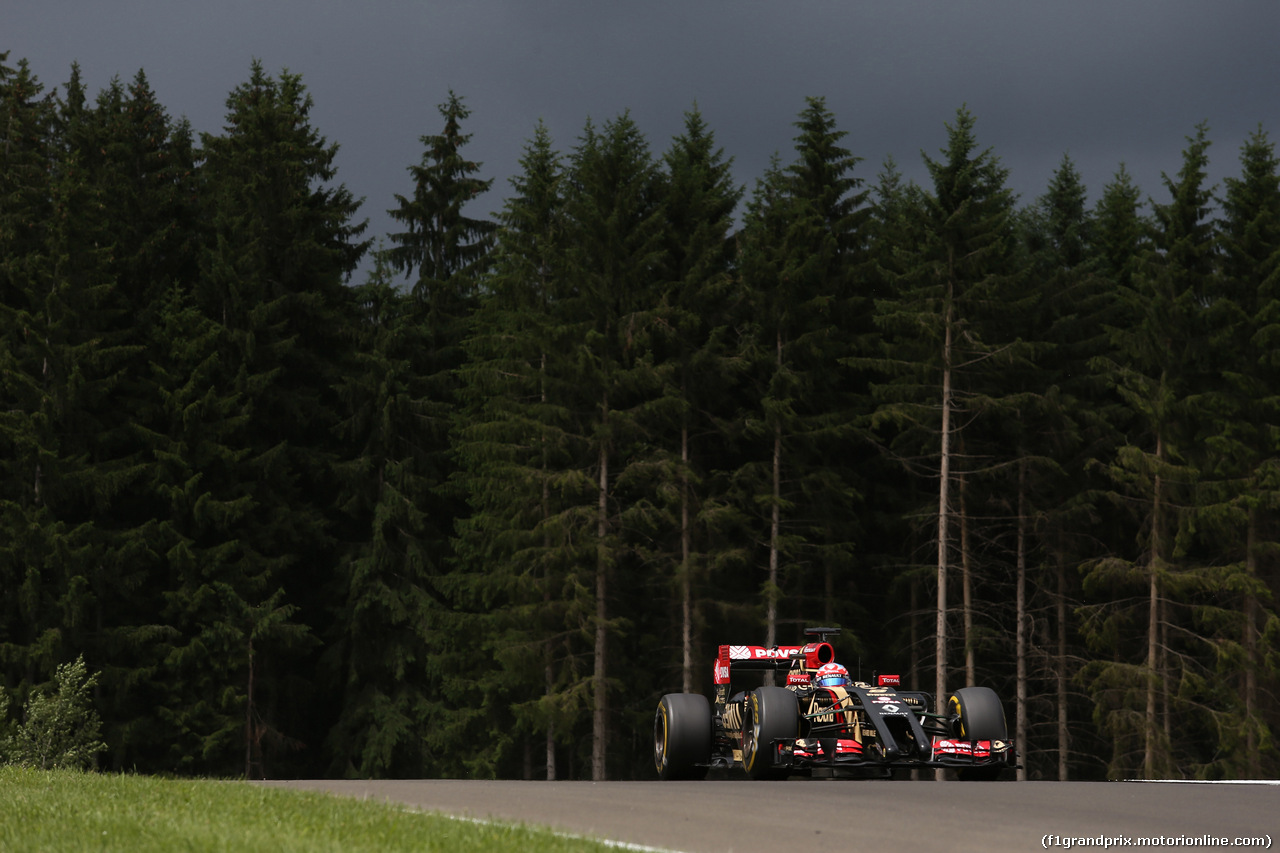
(823, 724)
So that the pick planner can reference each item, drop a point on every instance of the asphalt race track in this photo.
(808, 815)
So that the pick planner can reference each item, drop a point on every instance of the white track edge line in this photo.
(571, 836)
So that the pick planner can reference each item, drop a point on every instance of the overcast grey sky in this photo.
(1105, 81)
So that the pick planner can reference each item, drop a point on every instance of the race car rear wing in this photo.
(732, 660)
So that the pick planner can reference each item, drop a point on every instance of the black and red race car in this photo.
(823, 724)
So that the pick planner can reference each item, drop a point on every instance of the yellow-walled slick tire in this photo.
(979, 716)
(682, 736)
(772, 713)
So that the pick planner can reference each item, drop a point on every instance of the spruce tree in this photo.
(828, 244)
(758, 483)
(385, 600)
(1240, 492)
(138, 169)
(444, 253)
(895, 229)
(282, 242)
(1060, 426)
(943, 333)
(613, 267)
(801, 243)
(697, 353)
(1120, 230)
(1158, 369)
(30, 642)
(515, 447)
(213, 576)
(61, 374)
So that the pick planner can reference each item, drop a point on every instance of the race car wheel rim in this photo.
(751, 736)
(660, 733)
(956, 709)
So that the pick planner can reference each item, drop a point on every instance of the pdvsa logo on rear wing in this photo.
(763, 652)
(766, 658)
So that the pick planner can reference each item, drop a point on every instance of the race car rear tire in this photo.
(979, 716)
(772, 713)
(682, 736)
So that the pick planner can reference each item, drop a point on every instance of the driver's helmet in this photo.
(832, 675)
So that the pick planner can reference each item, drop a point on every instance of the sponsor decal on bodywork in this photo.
(763, 653)
(891, 706)
(971, 748)
(812, 748)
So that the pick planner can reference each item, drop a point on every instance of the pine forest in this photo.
(467, 499)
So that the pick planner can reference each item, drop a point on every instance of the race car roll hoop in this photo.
(828, 726)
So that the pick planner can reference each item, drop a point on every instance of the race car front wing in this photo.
(901, 739)
(844, 753)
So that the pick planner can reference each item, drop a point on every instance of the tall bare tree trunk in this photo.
(686, 569)
(1254, 764)
(1153, 622)
(913, 678)
(1166, 678)
(36, 493)
(775, 526)
(249, 733)
(551, 728)
(1061, 605)
(548, 652)
(940, 632)
(775, 534)
(600, 713)
(1020, 735)
(966, 586)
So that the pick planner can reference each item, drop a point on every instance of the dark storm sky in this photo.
(1106, 81)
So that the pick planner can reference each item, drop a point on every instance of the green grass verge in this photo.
(69, 812)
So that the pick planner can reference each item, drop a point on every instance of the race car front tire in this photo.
(978, 716)
(772, 713)
(682, 736)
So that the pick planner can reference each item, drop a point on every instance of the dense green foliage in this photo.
(475, 514)
(59, 729)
